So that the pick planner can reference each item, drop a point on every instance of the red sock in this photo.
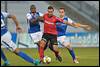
(41, 53)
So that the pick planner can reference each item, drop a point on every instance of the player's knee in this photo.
(55, 47)
(16, 51)
(68, 45)
(42, 43)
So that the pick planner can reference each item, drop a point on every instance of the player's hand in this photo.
(19, 29)
(40, 18)
(87, 27)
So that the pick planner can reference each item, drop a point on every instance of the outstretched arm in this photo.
(18, 28)
(78, 25)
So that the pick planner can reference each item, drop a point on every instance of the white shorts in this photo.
(36, 36)
(63, 40)
(6, 41)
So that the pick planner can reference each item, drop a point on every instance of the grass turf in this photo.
(86, 57)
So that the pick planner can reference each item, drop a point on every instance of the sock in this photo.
(25, 57)
(6, 62)
(71, 51)
(3, 56)
(56, 53)
(41, 53)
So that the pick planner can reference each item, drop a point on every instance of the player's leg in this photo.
(36, 37)
(71, 51)
(42, 44)
(66, 43)
(54, 50)
(12, 46)
(45, 47)
(6, 62)
(54, 45)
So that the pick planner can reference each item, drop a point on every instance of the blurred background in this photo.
(85, 12)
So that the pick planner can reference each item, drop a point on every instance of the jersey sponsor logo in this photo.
(48, 22)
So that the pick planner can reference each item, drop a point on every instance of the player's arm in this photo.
(69, 23)
(40, 18)
(59, 20)
(64, 21)
(78, 25)
(18, 28)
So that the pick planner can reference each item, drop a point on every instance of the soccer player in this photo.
(6, 38)
(50, 33)
(61, 28)
(34, 24)
(6, 62)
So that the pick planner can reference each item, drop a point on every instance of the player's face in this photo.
(50, 12)
(61, 12)
(33, 10)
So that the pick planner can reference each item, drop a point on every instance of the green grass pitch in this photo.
(86, 57)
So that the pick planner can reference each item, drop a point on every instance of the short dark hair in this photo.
(50, 7)
(32, 6)
(62, 8)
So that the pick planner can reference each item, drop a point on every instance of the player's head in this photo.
(33, 8)
(62, 11)
(50, 10)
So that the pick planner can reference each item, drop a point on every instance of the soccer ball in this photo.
(46, 59)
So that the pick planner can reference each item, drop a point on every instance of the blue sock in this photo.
(3, 56)
(25, 57)
(71, 51)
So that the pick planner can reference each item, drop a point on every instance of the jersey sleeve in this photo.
(68, 19)
(5, 14)
(65, 19)
(41, 14)
(28, 16)
(59, 19)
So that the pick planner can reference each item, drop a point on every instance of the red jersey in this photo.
(50, 24)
